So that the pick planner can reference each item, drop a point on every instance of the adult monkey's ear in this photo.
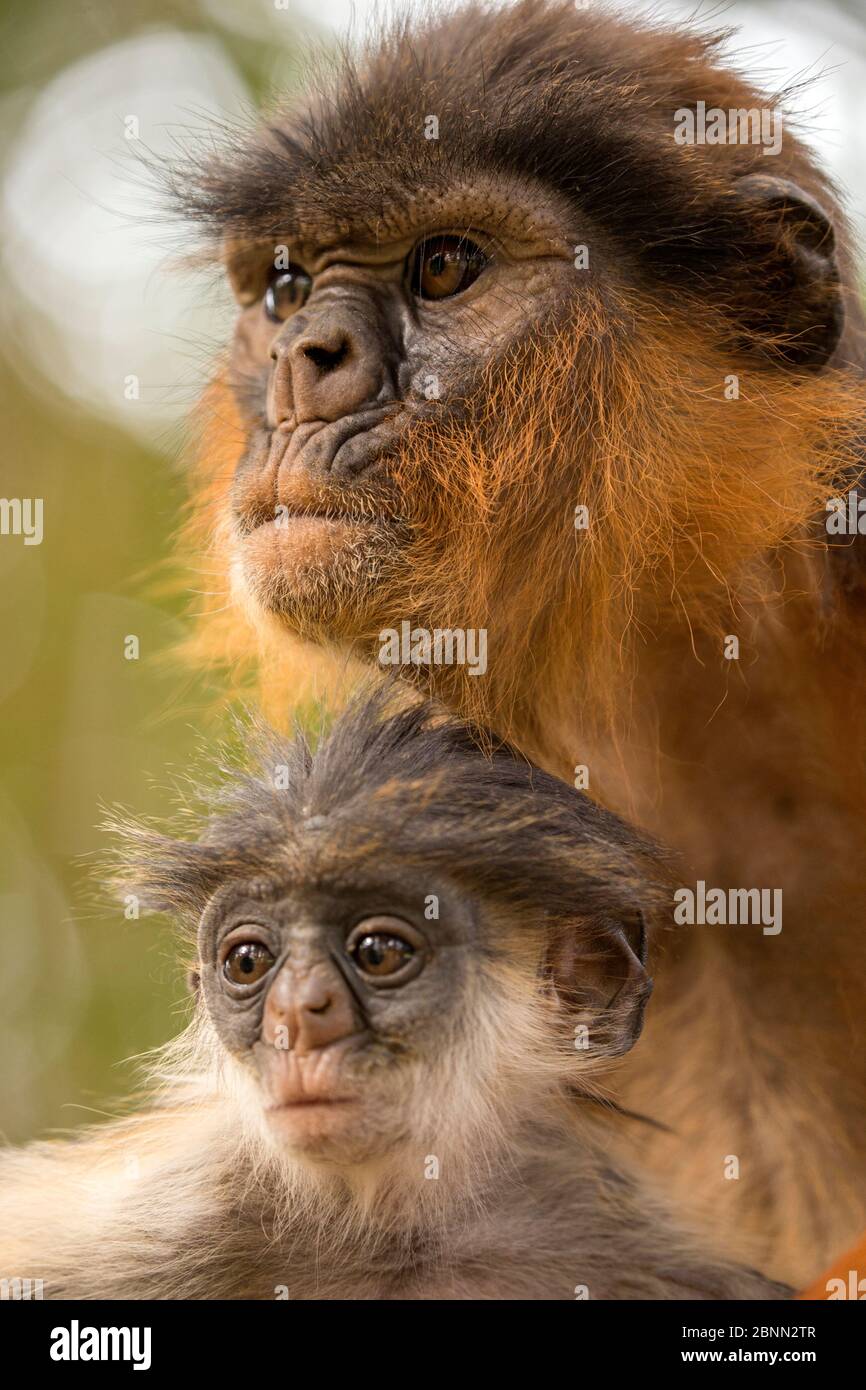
(597, 968)
(795, 301)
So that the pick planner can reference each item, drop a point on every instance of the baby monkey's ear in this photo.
(597, 969)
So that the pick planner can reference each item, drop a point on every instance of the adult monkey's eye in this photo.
(286, 293)
(247, 962)
(386, 949)
(444, 265)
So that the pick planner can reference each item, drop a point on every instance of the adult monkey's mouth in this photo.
(306, 475)
(313, 541)
(349, 444)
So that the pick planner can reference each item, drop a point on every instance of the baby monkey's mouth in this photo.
(309, 1088)
(302, 1101)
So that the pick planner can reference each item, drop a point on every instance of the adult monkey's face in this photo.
(346, 348)
(445, 345)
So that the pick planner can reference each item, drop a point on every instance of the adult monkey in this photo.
(427, 379)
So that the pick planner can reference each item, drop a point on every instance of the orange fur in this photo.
(688, 494)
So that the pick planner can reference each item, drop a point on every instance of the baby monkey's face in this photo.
(331, 1001)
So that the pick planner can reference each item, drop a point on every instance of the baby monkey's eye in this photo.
(444, 265)
(386, 950)
(286, 293)
(380, 954)
(247, 962)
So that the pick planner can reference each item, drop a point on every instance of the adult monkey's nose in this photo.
(327, 364)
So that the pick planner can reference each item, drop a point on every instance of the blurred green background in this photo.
(105, 342)
(92, 296)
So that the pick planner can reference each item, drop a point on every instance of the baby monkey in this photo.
(415, 953)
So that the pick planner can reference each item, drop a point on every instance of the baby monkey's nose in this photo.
(313, 1004)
